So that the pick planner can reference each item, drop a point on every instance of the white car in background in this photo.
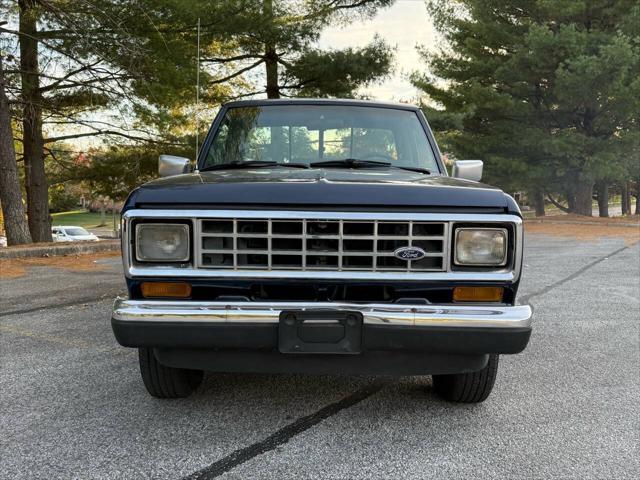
(72, 234)
(3, 241)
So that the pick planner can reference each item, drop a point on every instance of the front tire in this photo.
(166, 382)
(472, 387)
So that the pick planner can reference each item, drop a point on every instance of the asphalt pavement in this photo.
(72, 404)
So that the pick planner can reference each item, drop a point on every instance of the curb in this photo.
(54, 250)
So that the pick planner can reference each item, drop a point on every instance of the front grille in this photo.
(312, 245)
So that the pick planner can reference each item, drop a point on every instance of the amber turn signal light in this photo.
(478, 294)
(166, 289)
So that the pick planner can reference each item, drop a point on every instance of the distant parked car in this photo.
(72, 234)
(3, 241)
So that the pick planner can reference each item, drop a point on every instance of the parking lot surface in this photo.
(73, 403)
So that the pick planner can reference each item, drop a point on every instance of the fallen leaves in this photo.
(17, 267)
(587, 229)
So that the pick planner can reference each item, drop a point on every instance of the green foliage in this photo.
(61, 199)
(279, 36)
(338, 73)
(546, 92)
(118, 170)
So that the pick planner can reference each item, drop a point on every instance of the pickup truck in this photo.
(321, 236)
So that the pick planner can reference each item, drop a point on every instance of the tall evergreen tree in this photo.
(547, 92)
(274, 44)
(15, 221)
(98, 68)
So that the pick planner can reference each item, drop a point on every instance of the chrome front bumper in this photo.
(239, 313)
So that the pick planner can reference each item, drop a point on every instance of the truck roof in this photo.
(320, 101)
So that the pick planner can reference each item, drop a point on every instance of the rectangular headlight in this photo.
(481, 246)
(162, 242)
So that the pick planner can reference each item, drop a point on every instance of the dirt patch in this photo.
(586, 230)
(627, 220)
(38, 244)
(16, 267)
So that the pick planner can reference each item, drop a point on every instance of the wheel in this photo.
(472, 387)
(166, 382)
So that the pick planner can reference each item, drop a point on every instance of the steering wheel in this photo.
(376, 156)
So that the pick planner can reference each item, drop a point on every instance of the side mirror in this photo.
(169, 165)
(468, 169)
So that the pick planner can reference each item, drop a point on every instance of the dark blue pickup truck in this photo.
(321, 236)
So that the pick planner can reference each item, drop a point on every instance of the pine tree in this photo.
(548, 92)
(77, 64)
(15, 221)
(276, 38)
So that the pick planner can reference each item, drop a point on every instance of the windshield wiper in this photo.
(251, 164)
(350, 163)
(356, 163)
(414, 169)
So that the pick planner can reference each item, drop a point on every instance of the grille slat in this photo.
(309, 245)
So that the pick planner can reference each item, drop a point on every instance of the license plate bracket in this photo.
(320, 331)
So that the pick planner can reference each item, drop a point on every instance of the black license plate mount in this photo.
(320, 332)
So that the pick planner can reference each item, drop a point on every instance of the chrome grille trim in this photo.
(132, 269)
(258, 248)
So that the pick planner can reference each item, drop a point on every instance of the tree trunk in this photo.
(570, 194)
(584, 199)
(626, 199)
(638, 196)
(15, 222)
(579, 195)
(603, 199)
(537, 198)
(103, 213)
(33, 144)
(271, 57)
(271, 63)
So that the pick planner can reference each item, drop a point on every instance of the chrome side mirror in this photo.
(468, 169)
(169, 165)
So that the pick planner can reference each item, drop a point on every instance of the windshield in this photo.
(76, 231)
(314, 133)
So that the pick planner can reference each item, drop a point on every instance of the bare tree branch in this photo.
(238, 73)
(231, 59)
(69, 75)
(558, 204)
(109, 133)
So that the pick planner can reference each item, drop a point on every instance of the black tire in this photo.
(166, 382)
(472, 387)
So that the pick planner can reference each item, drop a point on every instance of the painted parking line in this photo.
(547, 288)
(286, 433)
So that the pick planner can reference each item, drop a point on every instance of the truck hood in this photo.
(318, 187)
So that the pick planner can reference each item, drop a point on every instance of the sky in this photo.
(405, 25)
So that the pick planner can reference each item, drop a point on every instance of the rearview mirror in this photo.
(169, 165)
(468, 169)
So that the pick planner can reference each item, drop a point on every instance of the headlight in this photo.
(162, 242)
(481, 246)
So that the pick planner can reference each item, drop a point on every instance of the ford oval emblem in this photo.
(409, 253)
